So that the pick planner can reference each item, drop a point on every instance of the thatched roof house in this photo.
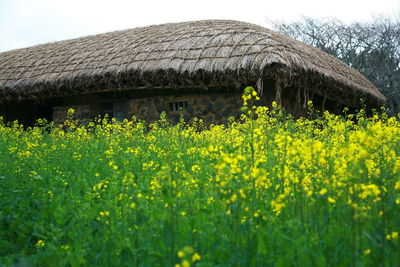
(197, 58)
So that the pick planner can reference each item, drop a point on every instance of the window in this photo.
(178, 106)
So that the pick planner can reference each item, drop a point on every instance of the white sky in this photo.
(28, 22)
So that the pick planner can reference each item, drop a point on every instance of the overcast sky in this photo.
(28, 22)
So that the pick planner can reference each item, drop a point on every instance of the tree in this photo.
(371, 48)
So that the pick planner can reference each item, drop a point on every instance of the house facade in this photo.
(190, 69)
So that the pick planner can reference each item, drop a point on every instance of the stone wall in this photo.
(212, 108)
(82, 112)
(215, 105)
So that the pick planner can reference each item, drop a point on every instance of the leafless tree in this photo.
(372, 48)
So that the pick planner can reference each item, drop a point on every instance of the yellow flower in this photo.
(104, 213)
(369, 190)
(196, 257)
(393, 235)
(71, 112)
(397, 186)
(278, 204)
(181, 254)
(195, 168)
(185, 263)
(367, 252)
(331, 200)
(40, 243)
(323, 191)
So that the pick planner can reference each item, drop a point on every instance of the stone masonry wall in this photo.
(212, 108)
(82, 112)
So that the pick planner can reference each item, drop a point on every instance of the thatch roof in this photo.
(200, 53)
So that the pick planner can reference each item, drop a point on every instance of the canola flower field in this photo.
(265, 191)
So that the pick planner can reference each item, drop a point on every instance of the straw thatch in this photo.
(201, 53)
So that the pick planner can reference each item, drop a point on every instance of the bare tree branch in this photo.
(371, 48)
